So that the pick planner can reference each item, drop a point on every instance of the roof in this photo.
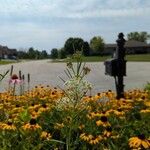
(130, 43)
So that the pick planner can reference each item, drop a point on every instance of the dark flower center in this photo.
(109, 129)
(9, 123)
(141, 136)
(17, 105)
(119, 109)
(32, 121)
(53, 93)
(14, 77)
(32, 104)
(44, 105)
(104, 119)
(98, 94)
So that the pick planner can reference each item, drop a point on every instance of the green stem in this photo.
(14, 88)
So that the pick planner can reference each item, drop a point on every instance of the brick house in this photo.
(132, 47)
(6, 52)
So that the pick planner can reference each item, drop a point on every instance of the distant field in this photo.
(137, 57)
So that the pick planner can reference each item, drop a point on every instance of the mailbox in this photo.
(111, 67)
(115, 67)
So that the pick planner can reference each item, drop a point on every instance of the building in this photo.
(132, 47)
(7, 53)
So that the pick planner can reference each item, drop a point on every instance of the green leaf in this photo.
(25, 116)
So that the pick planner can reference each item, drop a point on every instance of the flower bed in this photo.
(51, 118)
(40, 120)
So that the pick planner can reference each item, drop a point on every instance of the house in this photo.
(6, 52)
(132, 47)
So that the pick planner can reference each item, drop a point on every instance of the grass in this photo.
(137, 57)
(5, 62)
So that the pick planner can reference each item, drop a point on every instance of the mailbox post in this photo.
(116, 66)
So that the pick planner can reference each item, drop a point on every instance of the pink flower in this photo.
(15, 80)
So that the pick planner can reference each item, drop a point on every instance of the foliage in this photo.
(86, 49)
(32, 54)
(138, 36)
(76, 44)
(97, 45)
(2, 76)
(62, 53)
(54, 53)
(147, 86)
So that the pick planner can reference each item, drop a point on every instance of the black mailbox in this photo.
(112, 67)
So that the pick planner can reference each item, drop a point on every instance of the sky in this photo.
(47, 24)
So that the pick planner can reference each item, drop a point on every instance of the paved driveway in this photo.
(47, 73)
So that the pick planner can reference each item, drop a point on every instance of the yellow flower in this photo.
(96, 140)
(119, 112)
(103, 122)
(85, 137)
(81, 127)
(139, 142)
(7, 126)
(145, 111)
(58, 125)
(147, 103)
(32, 125)
(45, 135)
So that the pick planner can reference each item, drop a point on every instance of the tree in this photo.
(32, 53)
(97, 45)
(62, 53)
(72, 45)
(54, 53)
(138, 36)
(22, 54)
(86, 49)
(44, 54)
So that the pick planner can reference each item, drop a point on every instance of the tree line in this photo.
(94, 47)
(32, 53)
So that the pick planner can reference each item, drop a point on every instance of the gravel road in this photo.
(47, 73)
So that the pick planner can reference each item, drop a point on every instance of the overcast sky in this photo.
(47, 24)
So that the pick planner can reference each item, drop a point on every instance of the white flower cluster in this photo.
(76, 87)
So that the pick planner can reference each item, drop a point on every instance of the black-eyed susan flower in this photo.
(45, 135)
(32, 125)
(86, 137)
(147, 103)
(96, 140)
(58, 126)
(107, 132)
(145, 111)
(103, 122)
(7, 126)
(139, 142)
(82, 126)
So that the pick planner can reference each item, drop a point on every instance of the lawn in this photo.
(5, 62)
(137, 57)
